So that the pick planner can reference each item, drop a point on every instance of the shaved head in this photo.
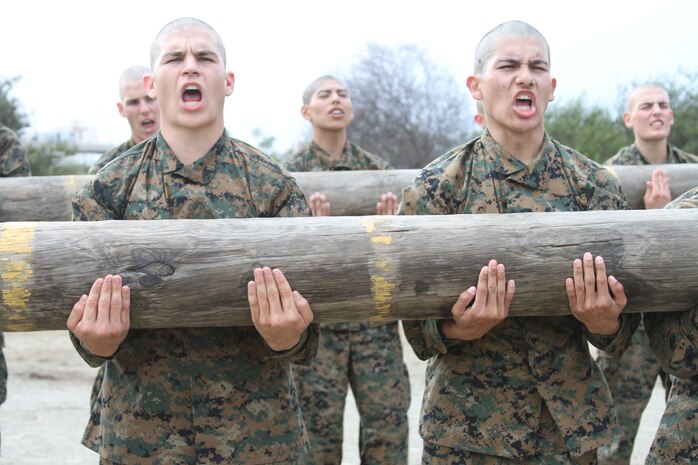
(132, 73)
(632, 98)
(184, 23)
(487, 46)
(315, 85)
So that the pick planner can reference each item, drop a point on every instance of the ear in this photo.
(553, 84)
(120, 107)
(473, 83)
(229, 83)
(149, 84)
(305, 113)
(627, 120)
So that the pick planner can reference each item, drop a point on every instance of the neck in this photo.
(332, 142)
(654, 151)
(523, 147)
(190, 144)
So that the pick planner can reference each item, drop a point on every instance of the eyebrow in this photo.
(205, 53)
(515, 61)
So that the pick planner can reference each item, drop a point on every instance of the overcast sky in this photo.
(70, 54)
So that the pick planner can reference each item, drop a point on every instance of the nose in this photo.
(524, 76)
(190, 65)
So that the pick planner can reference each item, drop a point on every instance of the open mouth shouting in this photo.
(523, 104)
(191, 96)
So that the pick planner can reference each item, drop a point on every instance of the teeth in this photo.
(191, 88)
(524, 97)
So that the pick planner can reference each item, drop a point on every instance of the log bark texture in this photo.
(351, 193)
(187, 273)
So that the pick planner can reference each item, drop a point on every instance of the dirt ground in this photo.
(48, 395)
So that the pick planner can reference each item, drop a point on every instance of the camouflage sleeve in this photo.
(291, 201)
(92, 360)
(425, 196)
(93, 202)
(14, 161)
(604, 192)
(617, 344)
(673, 337)
(304, 352)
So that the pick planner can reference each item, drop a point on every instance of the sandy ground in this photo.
(48, 395)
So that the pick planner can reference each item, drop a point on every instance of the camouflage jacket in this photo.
(111, 154)
(631, 155)
(486, 395)
(312, 157)
(195, 395)
(13, 157)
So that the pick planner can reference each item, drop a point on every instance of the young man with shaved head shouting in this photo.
(517, 390)
(194, 395)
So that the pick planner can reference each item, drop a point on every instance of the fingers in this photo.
(571, 294)
(303, 307)
(284, 290)
(388, 204)
(578, 278)
(104, 300)
(601, 280)
(511, 290)
(589, 278)
(272, 292)
(115, 300)
(92, 302)
(76, 314)
(126, 306)
(482, 289)
(261, 295)
(464, 300)
(318, 204)
(617, 291)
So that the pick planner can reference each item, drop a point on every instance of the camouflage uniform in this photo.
(632, 378)
(111, 154)
(366, 356)
(674, 338)
(195, 395)
(528, 390)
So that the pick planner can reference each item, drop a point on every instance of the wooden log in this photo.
(194, 272)
(352, 193)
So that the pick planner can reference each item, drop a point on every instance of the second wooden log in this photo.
(352, 193)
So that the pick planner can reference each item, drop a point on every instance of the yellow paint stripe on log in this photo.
(382, 270)
(382, 295)
(384, 240)
(16, 271)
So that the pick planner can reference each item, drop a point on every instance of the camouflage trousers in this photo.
(550, 443)
(676, 441)
(631, 380)
(369, 359)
